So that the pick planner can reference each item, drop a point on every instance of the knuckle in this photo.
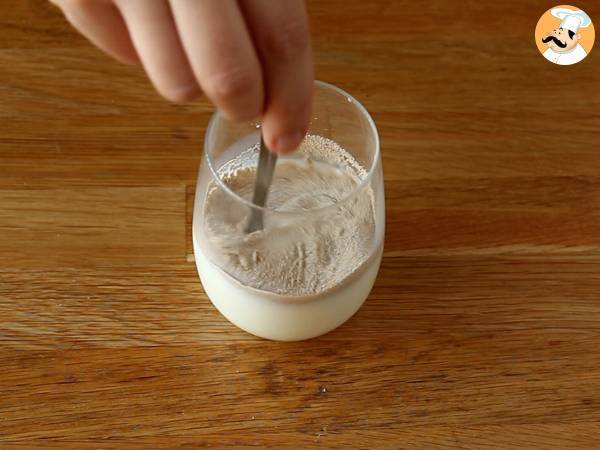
(178, 94)
(230, 84)
(288, 40)
(76, 11)
(74, 4)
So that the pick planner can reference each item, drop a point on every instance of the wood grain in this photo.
(482, 330)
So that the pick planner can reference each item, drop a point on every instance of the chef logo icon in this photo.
(565, 35)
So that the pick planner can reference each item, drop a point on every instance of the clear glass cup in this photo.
(254, 301)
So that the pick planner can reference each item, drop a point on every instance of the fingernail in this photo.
(288, 142)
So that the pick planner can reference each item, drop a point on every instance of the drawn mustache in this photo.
(556, 41)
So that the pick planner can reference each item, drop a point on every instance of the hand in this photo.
(250, 57)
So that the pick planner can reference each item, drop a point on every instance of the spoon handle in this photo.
(264, 176)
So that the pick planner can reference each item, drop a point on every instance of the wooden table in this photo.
(483, 329)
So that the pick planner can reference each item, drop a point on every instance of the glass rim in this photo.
(357, 189)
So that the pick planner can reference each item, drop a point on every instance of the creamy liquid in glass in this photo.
(316, 260)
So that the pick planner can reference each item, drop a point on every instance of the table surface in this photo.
(482, 331)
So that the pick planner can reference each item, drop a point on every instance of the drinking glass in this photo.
(267, 313)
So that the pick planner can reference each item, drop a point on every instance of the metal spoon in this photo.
(264, 176)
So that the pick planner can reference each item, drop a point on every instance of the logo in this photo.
(565, 35)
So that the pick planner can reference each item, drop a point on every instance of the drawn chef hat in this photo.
(572, 19)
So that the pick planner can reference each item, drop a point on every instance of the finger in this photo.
(154, 35)
(100, 22)
(222, 56)
(281, 35)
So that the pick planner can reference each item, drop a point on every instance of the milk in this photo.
(284, 318)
